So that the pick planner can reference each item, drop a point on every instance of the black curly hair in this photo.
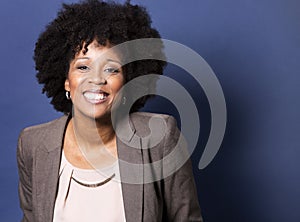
(79, 24)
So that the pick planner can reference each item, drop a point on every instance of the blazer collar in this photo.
(54, 134)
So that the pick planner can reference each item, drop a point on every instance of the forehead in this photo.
(97, 51)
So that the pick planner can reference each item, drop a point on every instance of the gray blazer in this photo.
(173, 198)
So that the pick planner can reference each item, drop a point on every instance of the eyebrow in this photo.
(108, 60)
(82, 58)
(112, 60)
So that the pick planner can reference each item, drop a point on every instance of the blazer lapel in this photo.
(131, 171)
(47, 168)
(47, 165)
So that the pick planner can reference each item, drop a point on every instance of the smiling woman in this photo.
(94, 79)
(75, 168)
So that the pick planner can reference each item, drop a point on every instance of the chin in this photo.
(95, 114)
(102, 116)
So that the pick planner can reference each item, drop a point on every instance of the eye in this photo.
(112, 70)
(83, 68)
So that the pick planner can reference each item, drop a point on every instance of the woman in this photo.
(88, 165)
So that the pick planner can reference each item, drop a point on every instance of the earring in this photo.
(68, 95)
(124, 100)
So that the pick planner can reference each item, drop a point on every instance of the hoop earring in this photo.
(124, 100)
(68, 95)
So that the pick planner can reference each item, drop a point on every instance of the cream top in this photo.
(77, 202)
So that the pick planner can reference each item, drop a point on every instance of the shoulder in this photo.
(43, 128)
(32, 138)
(146, 123)
(35, 134)
(146, 117)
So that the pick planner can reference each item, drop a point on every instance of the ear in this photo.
(67, 85)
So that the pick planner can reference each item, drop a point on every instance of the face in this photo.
(94, 80)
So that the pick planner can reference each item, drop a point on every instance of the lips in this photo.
(95, 96)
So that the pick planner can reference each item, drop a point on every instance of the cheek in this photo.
(117, 84)
(75, 83)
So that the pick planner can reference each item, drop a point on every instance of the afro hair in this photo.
(79, 24)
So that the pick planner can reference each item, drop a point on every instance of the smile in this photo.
(95, 97)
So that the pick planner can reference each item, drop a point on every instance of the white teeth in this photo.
(95, 96)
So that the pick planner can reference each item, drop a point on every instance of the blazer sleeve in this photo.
(180, 194)
(25, 186)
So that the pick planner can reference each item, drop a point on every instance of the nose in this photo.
(97, 78)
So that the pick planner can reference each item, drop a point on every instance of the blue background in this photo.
(253, 47)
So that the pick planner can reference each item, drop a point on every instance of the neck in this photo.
(92, 133)
(93, 139)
